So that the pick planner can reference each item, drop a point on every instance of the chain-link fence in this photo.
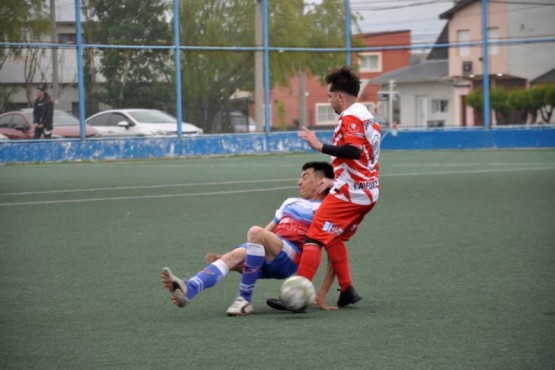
(243, 66)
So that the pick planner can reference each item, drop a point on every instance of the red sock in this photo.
(337, 253)
(310, 261)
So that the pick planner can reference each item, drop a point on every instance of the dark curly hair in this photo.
(344, 79)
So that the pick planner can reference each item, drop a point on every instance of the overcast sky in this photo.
(419, 16)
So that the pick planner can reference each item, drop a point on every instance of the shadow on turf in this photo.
(312, 311)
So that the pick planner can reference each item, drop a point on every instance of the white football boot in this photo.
(176, 286)
(241, 307)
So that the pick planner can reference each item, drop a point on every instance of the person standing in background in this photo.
(43, 114)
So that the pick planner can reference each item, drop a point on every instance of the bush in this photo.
(514, 105)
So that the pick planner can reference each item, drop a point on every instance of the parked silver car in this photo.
(241, 123)
(138, 122)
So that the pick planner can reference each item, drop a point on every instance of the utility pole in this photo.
(258, 68)
(302, 99)
(391, 98)
(302, 87)
(54, 39)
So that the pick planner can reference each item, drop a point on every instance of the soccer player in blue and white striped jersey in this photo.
(271, 252)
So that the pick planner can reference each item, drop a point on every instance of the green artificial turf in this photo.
(456, 266)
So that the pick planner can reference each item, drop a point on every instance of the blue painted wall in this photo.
(477, 138)
(277, 142)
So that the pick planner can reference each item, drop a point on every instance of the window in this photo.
(325, 115)
(19, 123)
(493, 35)
(440, 106)
(67, 38)
(100, 120)
(6, 121)
(370, 62)
(463, 36)
(117, 118)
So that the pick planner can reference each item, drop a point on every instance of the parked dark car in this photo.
(18, 125)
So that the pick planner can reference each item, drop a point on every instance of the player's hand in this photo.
(325, 185)
(311, 138)
(321, 302)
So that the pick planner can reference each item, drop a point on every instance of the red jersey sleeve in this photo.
(352, 132)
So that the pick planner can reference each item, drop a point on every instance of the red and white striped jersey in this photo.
(357, 180)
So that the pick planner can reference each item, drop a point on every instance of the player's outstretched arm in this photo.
(311, 138)
(327, 282)
(346, 151)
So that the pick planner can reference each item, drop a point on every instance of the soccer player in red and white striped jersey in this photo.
(354, 150)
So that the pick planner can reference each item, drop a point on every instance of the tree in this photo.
(133, 77)
(22, 21)
(136, 77)
(522, 101)
(475, 99)
(281, 115)
(544, 94)
(326, 25)
(209, 78)
(500, 103)
(540, 98)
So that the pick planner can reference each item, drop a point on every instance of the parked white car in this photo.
(138, 122)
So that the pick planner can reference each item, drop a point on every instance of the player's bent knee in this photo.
(255, 234)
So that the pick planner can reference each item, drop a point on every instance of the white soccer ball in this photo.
(297, 293)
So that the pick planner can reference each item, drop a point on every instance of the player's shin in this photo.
(337, 253)
(253, 262)
(207, 278)
(310, 261)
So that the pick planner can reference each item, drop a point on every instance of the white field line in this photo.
(464, 172)
(490, 164)
(162, 186)
(156, 196)
(224, 192)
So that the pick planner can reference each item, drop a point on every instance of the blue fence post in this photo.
(267, 115)
(177, 61)
(348, 32)
(80, 75)
(485, 65)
